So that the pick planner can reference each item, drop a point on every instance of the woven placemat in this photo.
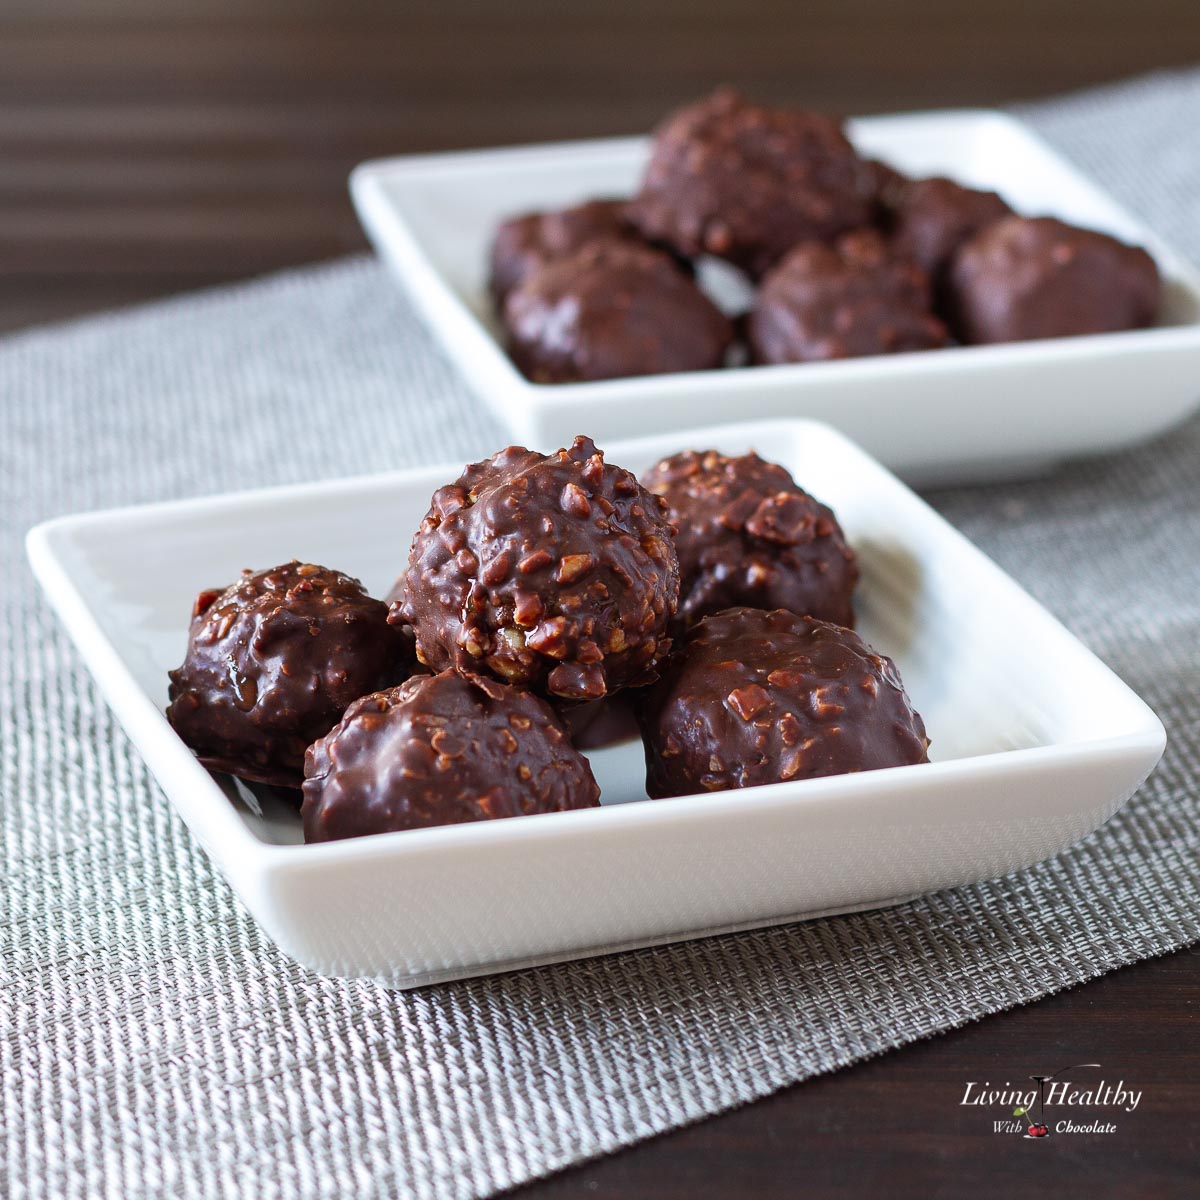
(154, 1043)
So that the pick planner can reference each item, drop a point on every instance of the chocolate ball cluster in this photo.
(551, 602)
(848, 256)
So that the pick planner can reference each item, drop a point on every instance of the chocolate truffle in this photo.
(441, 750)
(749, 535)
(525, 243)
(746, 183)
(930, 218)
(553, 570)
(1038, 277)
(756, 697)
(273, 660)
(610, 310)
(842, 301)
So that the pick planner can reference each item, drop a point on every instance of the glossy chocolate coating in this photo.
(1024, 278)
(556, 571)
(525, 243)
(749, 535)
(273, 661)
(611, 310)
(754, 697)
(441, 750)
(843, 301)
(746, 183)
(930, 218)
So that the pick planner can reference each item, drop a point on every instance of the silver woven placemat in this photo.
(153, 1043)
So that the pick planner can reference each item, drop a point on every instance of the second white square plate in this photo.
(961, 414)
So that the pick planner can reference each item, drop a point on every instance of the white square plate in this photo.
(960, 414)
(1035, 742)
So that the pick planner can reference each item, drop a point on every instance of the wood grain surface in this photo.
(151, 146)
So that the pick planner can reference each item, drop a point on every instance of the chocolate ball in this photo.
(843, 301)
(930, 218)
(749, 535)
(754, 697)
(611, 310)
(525, 243)
(1038, 277)
(441, 750)
(746, 183)
(557, 571)
(273, 661)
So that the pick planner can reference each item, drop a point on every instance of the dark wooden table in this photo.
(147, 148)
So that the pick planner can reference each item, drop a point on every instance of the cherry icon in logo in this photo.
(1033, 1129)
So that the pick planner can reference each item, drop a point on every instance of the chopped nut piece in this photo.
(748, 701)
(535, 562)
(574, 566)
(527, 608)
(575, 501)
(497, 570)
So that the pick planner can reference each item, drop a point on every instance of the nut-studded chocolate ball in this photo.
(525, 243)
(842, 301)
(557, 571)
(746, 183)
(441, 750)
(748, 534)
(754, 697)
(930, 218)
(1038, 277)
(273, 661)
(611, 310)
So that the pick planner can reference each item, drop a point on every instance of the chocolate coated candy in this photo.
(1038, 277)
(272, 662)
(930, 218)
(746, 183)
(748, 535)
(441, 750)
(755, 697)
(843, 301)
(525, 243)
(613, 309)
(556, 571)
